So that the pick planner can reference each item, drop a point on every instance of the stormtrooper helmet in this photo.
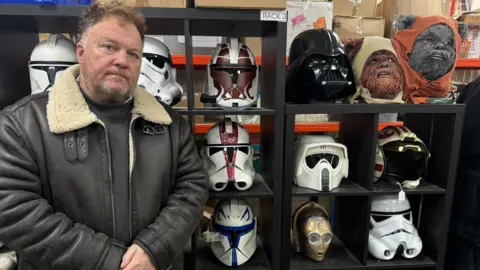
(311, 231)
(320, 162)
(392, 231)
(236, 226)
(48, 60)
(401, 157)
(232, 77)
(157, 75)
(228, 156)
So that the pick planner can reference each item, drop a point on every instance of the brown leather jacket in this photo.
(56, 188)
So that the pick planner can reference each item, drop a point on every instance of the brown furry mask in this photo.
(380, 73)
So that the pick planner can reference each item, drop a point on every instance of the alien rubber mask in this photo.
(433, 53)
(382, 75)
(311, 231)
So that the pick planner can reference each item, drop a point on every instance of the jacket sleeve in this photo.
(28, 224)
(170, 232)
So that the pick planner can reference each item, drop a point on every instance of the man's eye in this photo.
(108, 47)
(133, 55)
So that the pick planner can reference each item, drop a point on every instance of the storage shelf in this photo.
(346, 188)
(399, 262)
(299, 127)
(383, 187)
(218, 111)
(205, 260)
(468, 63)
(337, 258)
(259, 189)
(372, 108)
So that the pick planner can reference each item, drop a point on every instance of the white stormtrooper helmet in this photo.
(320, 162)
(401, 156)
(8, 261)
(392, 229)
(48, 60)
(236, 225)
(232, 76)
(228, 156)
(157, 75)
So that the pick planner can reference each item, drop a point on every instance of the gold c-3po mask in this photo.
(311, 231)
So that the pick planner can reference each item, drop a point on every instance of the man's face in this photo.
(110, 59)
(433, 53)
(382, 75)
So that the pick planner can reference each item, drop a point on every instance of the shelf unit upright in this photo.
(439, 126)
(19, 28)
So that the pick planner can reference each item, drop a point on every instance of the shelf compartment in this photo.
(338, 257)
(383, 187)
(420, 261)
(372, 108)
(346, 188)
(205, 260)
(219, 111)
(299, 127)
(259, 189)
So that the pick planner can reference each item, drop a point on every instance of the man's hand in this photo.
(136, 259)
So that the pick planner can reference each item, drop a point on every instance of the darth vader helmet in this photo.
(232, 77)
(311, 231)
(48, 60)
(318, 70)
(157, 75)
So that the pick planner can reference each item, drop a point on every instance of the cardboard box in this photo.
(242, 4)
(470, 17)
(254, 43)
(307, 15)
(367, 8)
(153, 3)
(356, 27)
(390, 9)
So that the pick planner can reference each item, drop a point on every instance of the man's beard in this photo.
(111, 95)
(387, 88)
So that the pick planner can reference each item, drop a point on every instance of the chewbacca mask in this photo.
(378, 74)
(428, 48)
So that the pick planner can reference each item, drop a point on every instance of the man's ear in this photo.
(462, 30)
(404, 22)
(352, 47)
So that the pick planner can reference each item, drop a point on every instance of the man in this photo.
(96, 174)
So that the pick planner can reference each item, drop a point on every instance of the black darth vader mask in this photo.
(319, 70)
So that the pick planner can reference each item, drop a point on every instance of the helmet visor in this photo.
(405, 160)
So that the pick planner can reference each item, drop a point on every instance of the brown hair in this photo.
(100, 10)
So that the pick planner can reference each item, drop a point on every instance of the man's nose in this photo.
(121, 59)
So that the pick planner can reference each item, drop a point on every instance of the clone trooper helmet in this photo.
(232, 77)
(157, 75)
(236, 226)
(401, 157)
(391, 229)
(311, 231)
(320, 162)
(228, 156)
(48, 60)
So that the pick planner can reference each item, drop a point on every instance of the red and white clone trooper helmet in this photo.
(232, 77)
(228, 156)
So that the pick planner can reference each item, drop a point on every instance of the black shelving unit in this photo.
(19, 28)
(439, 126)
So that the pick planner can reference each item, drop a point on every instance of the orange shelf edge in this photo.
(203, 60)
(299, 127)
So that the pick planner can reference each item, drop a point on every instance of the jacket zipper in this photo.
(134, 117)
(110, 178)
